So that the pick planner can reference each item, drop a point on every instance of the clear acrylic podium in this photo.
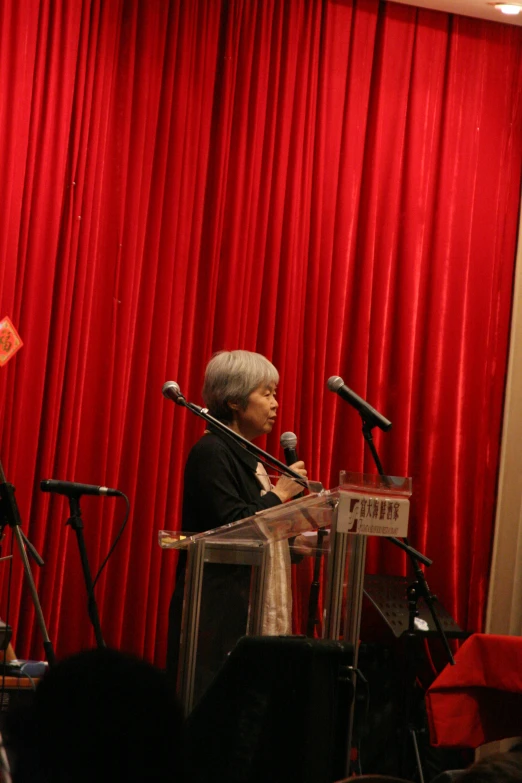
(238, 576)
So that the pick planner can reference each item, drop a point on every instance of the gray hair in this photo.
(231, 376)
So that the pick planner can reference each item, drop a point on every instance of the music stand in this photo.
(388, 595)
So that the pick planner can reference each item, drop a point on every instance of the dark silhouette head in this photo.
(99, 715)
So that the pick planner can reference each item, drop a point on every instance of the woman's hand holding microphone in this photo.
(286, 488)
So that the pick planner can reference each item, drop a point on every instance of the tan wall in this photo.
(504, 615)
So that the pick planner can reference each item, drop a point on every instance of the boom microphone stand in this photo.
(414, 555)
(172, 392)
(10, 515)
(421, 586)
(417, 589)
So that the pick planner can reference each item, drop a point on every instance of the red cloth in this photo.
(480, 698)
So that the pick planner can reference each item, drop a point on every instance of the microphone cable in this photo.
(113, 545)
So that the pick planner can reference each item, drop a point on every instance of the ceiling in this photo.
(479, 8)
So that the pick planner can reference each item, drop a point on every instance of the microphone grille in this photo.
(169, 387)
(334, 383)
(288, 440)
(172, 391)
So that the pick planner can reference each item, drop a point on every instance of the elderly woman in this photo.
(225, 483)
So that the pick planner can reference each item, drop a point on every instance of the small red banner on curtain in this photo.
(10, 340)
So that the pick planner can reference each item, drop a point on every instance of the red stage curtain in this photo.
(334, 184)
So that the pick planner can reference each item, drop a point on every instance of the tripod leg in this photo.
(9, 511)
(48, 647)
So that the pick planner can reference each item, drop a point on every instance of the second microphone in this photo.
(288, 441)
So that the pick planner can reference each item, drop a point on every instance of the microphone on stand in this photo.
(369, 414)
(73, 490)
(172, 392)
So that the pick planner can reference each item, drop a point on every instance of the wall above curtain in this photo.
(332, 183)
(478, 9)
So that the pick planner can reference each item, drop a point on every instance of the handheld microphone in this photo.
(73, 490)
(369, 414)
(288, 441)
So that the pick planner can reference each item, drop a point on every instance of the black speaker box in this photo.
(277, 711)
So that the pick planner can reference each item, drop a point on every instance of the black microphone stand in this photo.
(10, 515)
(264, 456)
(75, 521)
(421, 586)
(404, 545)
(313, 599)
(417, 589)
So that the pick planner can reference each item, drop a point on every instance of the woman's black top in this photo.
(220, 485)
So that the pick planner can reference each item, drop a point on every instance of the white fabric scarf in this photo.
(277, 609)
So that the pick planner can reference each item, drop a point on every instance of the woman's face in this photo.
(259, 415)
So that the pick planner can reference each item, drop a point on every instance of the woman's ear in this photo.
(234, 406)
